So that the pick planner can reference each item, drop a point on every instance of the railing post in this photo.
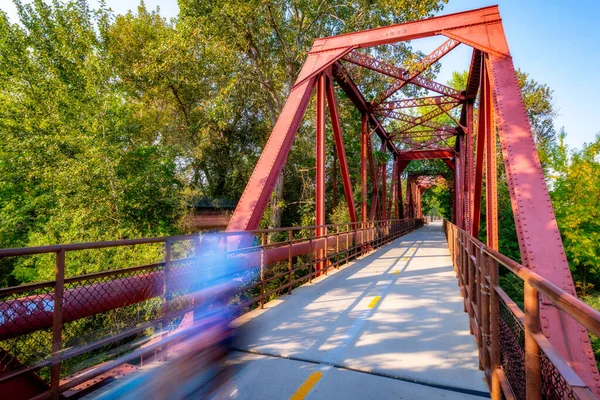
(469, 291)
(57, 323)
(494, 328)
(310, 259)
(478, 289)
(262, 270)
(484, 309)
(347, 243)
(532, 350)
(337, 247)
(165, 308)
(290, 238)
(324, 251)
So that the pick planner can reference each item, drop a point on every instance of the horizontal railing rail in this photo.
(518, 360)
(56, 330)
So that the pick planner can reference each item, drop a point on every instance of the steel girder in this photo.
(401, 74)
(502, 107)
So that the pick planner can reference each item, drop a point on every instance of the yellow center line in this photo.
(404, 258)
(396, 272)
(374, 301)
(306, 387)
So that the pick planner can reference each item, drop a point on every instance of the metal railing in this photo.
(518, 360)
(57, 334)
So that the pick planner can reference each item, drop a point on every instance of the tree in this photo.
(270, 41)
(74, 162)
(575, 196)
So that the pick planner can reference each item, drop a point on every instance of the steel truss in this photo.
(500, 109)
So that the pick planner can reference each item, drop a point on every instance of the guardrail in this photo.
(53, 332)
(518, 360)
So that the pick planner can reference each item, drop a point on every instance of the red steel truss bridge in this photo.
(371, 305)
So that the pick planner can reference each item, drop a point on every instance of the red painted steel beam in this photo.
(430, 59)
(364, 137)
(459, 180)
(320, 163)
(412, 122)
(400, 73)
(259, 188)
(426, 154)
(469, 182)
(537, 230)
(427, 133)
(410, 30)
(491, 175)
(474, 77)
(383, 190)
(346, 83)
(482, 128)
(418, 102)
(341, 151)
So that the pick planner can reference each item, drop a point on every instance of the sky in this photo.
(554, 41)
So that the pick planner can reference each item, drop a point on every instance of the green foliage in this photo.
(74, 165)
(340, 214)
(593, 300)
(436, 201)
(575, 193)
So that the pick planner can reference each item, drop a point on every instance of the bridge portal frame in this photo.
(501, 109)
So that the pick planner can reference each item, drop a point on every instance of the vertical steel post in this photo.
(469, 181)
(340, 149)
(337, 247)
(320, 170)
(363, 168)
(165, 319)
(491, 174)
(310, 258)
(494, 329)
(262, 270)
(532, 350)
(57, 323)
(484, 308)
(383, 188)
(458, 172)
(290, 239)
(482, 129)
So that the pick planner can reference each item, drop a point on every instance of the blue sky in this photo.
(555, 41)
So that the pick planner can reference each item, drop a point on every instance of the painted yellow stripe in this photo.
(374, 301)
(396, 272)
(306, 387)
(404, 258)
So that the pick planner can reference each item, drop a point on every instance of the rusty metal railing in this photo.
(57, 334)
(518, 360)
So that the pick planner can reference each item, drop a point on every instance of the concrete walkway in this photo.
(390, 325)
